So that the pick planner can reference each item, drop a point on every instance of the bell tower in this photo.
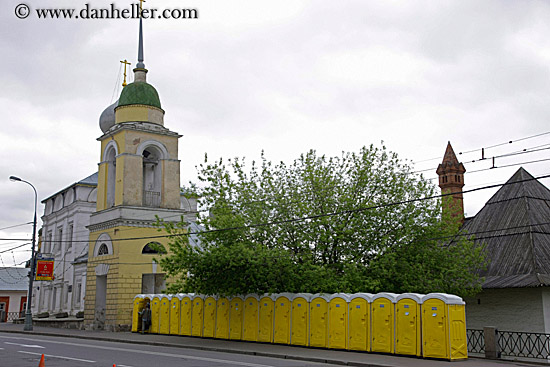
(451, 181)
(138, 182)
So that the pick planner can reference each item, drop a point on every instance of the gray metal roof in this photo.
(90, 180)
(14, 279)
(511, 225)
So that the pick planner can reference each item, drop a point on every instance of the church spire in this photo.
(140, 73)
(140, 64)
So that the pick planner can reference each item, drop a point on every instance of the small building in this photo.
(514, 228)
(65, 237)
(14, 284)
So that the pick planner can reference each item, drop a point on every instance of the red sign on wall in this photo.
(44, 269)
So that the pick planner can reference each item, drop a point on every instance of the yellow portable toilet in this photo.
(383, 323)
(164, 314)
(444, 327)
(318, 321)
(175, 307)
(281, 324)
(236, 318)
(338, 321)
(266, 318)
(185, 314)
(197, 315)
(251, 318)
(139, 304)
(155, 314)
(222, 318)
(209, 328)
(299, 319)
(408, 328)
(359, 321)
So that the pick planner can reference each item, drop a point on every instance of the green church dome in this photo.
(139, 93)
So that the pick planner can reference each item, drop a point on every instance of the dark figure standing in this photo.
(145, 318)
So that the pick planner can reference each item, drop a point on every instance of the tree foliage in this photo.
(359, 222)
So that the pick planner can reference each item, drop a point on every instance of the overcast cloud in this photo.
(282, 76)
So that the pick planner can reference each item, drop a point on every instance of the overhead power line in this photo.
(317, 216)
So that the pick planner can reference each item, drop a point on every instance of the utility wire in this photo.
(317, 216)
(17, 225)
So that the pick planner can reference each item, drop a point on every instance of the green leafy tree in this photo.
(354, 223)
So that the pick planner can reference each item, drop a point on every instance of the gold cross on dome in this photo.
(125, 62)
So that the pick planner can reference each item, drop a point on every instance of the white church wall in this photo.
(66, 237)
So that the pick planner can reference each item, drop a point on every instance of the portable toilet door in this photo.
(222, 318)
(300, 319)
(443, 327)
(338, 321)
(236, 318)
(266, 317)
(175, 305)
(164, 324)
(457, 326)
(434, 327)
(359, 321)
(383, 325)
(281, 327)
(209, 328)
(155, 314)
(185, 314)
(251, 317)
(408, 324)
(318, 325)
(197, 315)
(139, 304)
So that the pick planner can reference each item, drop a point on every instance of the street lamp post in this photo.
(28, 314)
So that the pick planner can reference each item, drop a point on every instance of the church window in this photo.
(153, 248)
(103, 250)
(152, 177)
(70, 238)
(110, 160)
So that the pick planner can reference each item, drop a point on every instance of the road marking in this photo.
(26, 345)
(123, 365)
(182, 356)
(54, 356)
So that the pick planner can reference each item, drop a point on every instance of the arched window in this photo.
(152, 177)
(153, 248)
(110, 158)
(103, 250)
(103, 245)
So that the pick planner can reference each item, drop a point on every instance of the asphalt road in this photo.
(23, 351)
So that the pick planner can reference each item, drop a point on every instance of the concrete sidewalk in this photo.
(260, 349)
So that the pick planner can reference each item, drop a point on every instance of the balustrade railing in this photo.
(510, 344)
(151, 199)
(527, 345)
(476, 341)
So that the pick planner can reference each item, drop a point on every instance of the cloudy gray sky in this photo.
(282, 76)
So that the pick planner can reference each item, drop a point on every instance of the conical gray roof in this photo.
(515, 227)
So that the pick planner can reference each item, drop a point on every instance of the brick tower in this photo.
(451, 181)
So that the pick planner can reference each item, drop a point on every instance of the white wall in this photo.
(510, 309)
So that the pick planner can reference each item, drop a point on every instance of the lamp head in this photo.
(14, 178)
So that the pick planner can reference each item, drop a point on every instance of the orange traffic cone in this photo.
(42, 364)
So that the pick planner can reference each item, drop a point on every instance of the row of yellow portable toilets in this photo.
(432, 325)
